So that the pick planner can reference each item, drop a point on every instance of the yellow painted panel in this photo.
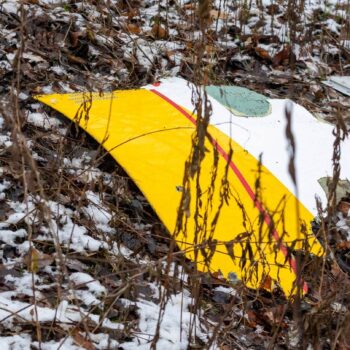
(152, 140)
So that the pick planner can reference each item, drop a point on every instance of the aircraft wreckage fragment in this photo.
(248, 218)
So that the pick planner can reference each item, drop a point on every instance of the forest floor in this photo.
(83, 256)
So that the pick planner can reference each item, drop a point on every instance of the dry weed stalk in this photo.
(312, 323)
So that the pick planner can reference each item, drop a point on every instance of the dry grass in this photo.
(320, 319)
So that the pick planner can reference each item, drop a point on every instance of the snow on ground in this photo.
(173, 331)
(60, 288)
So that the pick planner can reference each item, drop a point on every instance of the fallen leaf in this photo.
(343, 245)
(190, 6)
(252, 318)
(31, 260)
(133, 12)
(35, 260)
(159, 32)
(218, 275)
(275, 315)
(90, 34)
(267, 283)
(215, 14)
(283, 57)
(133, 28)
(273, 9)
(81, 341)
(74, 38)
(76, 59)
(224, 347)
(262, 53)
(210, 49)
(170, 54)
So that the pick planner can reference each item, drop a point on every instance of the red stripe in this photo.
(243, 181)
